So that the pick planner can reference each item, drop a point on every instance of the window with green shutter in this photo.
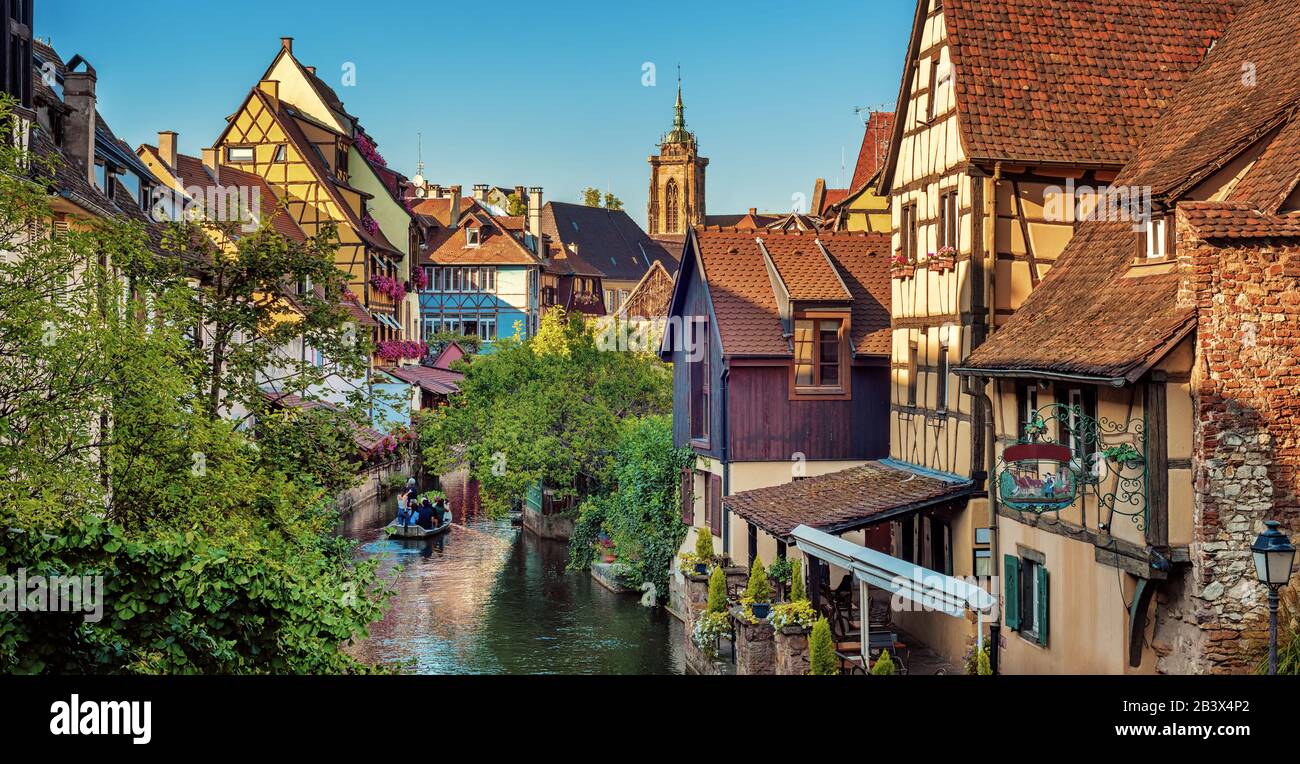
(1011, 589)
(1041, 604)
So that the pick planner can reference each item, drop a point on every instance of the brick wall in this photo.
(1246, 443)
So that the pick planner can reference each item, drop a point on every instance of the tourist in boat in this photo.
(440, 511)
(401, 508)
(424, 515)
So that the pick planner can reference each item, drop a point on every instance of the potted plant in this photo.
(884, 665)
(943, 260)
(758, 594)
(797, 613)
(779, 573)
(900, 266)
(713, 623)
(607, 548)
(703, 551)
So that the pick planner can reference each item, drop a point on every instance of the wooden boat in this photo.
(413, 531)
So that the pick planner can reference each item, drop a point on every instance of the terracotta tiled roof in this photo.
(832, 197)
(863, 263)
(745, 304)
(1089, 317)
(358, 311)
(875, 147)
(842, 501)
(1219, 114)
(497, 246)
(436, 381)
(440, 209)
(1276, 172)
(804, 268)
(1069, 81)
(1228, 220)
(190, 172)
(1095, 314)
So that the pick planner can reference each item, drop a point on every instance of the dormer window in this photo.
(820, 355)
(1158, 239)
(472, 237)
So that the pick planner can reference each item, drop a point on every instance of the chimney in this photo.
(435, 191)
(753, 211)
(454, 207)
(286, 44)
(480, 191)
(271, 88)
(210, 162)
(310, 69)
(79, 131)
(167, 147)
(535, 211)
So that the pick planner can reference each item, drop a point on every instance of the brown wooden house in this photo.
(779, 343)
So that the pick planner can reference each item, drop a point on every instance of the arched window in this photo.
(670, 207)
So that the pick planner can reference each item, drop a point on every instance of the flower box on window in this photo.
(943, 260)
(900, 267)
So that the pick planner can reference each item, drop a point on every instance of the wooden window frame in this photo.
(913, 372)
(687, 495)
(713, 502)
(942, 370)
(701, 404)
(907, 231)
(930, 100)
(1026, 397)
(252, 153)
(949, 221)
(843, 389)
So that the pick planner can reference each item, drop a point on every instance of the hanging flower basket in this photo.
(900, 267)
(943, 260)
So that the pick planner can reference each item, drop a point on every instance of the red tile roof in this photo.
(497, 246)
(875, 148)
(842, 501)
(436, 381)
(607, 240)
(1097, 315)
(1066, 81)
(749, 323)
(191, 173)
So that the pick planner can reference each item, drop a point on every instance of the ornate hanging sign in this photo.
(1098, 455)
(1037, 477)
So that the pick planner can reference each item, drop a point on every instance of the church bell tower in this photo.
(676, 179)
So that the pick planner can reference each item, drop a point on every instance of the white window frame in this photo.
(1157, 238)
(230, 153)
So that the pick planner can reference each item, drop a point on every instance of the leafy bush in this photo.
(983, 665)
(797, 585)
(758, 589)
(884, 665)
(717, 591)
(798, 613)
(821, 650)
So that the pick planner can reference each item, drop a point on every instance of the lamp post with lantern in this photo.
(1274, 555)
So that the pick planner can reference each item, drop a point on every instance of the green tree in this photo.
(758, 589)
(796, 578)
(613, 202)
(252, 295)
(821, 650)
(515, 206)
(642, 514)
(217, 556)
(717, 591)
(544, 411)
(591, 196)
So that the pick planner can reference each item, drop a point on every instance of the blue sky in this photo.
(526, 93)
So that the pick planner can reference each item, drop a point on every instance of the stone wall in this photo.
(557, 527)
(755, 648)
(1246, 457)
(791, 651)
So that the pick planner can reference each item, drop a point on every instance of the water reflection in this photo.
(489, 598)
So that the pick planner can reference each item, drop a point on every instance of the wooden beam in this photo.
(1137, 619)
(1157, 446)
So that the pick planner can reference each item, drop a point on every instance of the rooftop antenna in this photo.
(418, 181)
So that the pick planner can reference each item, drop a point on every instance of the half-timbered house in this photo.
(1154, 364)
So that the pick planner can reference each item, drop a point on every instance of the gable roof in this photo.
(607, 240)
(497, 245)
(1132, 318)
(1062, 81)
(851, 269)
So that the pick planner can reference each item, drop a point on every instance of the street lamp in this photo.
(1274, 555)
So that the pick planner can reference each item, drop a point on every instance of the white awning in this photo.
(926, 587)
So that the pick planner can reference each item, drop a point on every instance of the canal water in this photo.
(489, 597)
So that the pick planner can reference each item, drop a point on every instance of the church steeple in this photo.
(679, 132)
(676, 178)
